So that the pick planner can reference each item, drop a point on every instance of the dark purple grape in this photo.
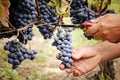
(11, 55)
(10, 61)
(11, 49)
(6, 47)
(26, 56)
(32, 57)
(16, 62)
(19, 54)
(43, 2)
(21, 58)
(14, 66)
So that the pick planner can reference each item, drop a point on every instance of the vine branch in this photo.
(27, 26)
(38, 8)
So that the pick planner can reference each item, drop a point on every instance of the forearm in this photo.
(108, 50)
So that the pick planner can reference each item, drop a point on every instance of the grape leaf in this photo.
(4, 11)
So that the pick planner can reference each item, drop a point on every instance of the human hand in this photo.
(84, 60)
(106, 27)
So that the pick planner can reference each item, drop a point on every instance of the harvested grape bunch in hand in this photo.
(63, 43)
(18, 53)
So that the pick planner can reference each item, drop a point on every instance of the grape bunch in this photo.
(80, 12)
(48, 15)
(18, 53)
(21, 15)
(43, 2)
(63, 43)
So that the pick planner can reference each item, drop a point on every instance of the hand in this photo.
(84, 60)
(106, 27)
(87, 58)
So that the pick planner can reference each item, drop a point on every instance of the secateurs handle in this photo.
(87, 24)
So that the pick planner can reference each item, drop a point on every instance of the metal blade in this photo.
(73, 26)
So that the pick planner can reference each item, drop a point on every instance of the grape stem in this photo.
(26, 27)
(13, 28)
(57, 23)
(101, 5)
(38, 8)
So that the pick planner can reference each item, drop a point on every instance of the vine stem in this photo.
(101, 5)
(11, 26)
(27, 26)
(29, 46)
(38, 8)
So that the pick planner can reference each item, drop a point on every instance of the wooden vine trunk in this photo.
(107, 72)
(107, 68)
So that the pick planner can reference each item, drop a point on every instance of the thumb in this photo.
(76, 55)
(84, 52)
(93, 30)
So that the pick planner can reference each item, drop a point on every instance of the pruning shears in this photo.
(83, 26)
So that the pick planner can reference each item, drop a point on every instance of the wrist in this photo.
(107, 51)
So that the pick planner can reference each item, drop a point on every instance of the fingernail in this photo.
(68, 70)
(62, 67)
(93, 20)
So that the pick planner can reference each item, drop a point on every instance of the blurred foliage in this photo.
(101, 4)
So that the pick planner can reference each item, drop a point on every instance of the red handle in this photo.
(88, 24)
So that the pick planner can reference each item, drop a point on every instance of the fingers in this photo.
(70, 70)
(62, 66)
(98, 35)
(77, 73)
(76, 54)
(57, 56)
(74, 71)
(82, 53)
(93, 30)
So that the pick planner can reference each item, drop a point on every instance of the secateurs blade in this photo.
(82, 26)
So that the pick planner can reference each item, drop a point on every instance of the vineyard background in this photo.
(46, 66)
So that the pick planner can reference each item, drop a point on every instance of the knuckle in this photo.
(106, 14)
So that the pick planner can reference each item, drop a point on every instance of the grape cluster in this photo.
(63, 43)
(18, 53)
(43, 2)
(23, 14)
(48, 15)
(80, 12)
